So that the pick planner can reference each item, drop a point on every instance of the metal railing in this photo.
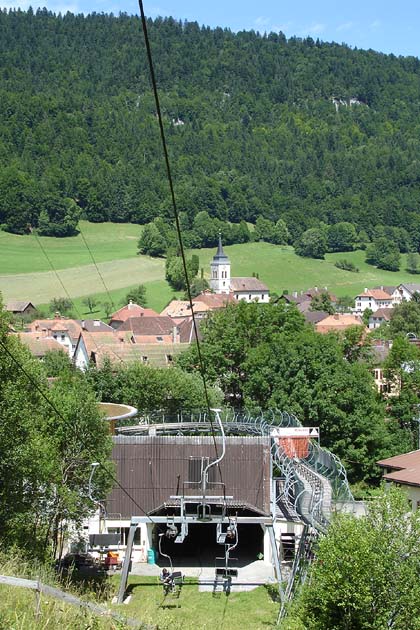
(313, 484)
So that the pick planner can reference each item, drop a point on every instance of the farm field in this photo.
(25, 272)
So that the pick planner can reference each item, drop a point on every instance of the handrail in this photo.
(327, 477)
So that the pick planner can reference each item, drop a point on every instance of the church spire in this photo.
(220, 255)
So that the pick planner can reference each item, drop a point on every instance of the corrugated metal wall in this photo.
(152, 468)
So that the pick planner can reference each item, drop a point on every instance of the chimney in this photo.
(130, 304)
(295, 294)
(336, 316)
(82, 323)
(366, 290)
(316, 289)
(175, 334)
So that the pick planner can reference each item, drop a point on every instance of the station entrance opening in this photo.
(200, 547)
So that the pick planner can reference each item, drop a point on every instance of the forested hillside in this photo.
(251, 126)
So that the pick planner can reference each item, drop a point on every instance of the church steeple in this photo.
(220, 254)
(220, 270)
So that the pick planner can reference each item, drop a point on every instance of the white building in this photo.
(247, 289)
(373, 299)
(220, 271)
(379, 317)
(405, 292)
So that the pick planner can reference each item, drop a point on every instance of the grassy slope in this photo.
(107, 241)
(280, 269)
(198, 611)
(25, 272)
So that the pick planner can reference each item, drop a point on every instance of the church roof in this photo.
(220, 257)
(247, 284)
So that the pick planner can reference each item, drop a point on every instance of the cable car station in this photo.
(221, 493)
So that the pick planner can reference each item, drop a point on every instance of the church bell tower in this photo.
(220, 271)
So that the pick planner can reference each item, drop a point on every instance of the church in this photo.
(247, 289)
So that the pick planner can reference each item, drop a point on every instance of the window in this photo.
(249, 297)
(169, 358)
(159, 338)
(124, 534)
(197, 465)
(144, 359)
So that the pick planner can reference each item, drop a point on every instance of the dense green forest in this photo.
(257, 126)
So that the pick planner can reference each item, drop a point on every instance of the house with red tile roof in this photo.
(373, 299)
(303, 299)
(337, 323)
(202, 304)
(156, 328)
(149, 340)
(130, 310)
(65, 331)
(39, 345)
(381, 316)
(404, 470)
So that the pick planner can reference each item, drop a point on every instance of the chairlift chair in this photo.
(229, 539)
(172, 582)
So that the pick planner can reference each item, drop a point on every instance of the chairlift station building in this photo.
(274, 481)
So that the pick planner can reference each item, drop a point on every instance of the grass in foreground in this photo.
(199, 611)
(21, 610)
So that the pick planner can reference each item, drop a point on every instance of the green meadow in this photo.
(26, 268)
(280, 268)
(106, 241)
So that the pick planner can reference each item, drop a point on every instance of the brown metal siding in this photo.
(152, 469)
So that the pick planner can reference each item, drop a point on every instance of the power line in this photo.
(44, 251)
(176, 216)
(96, 267)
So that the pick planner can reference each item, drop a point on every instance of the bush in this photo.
(346, 265)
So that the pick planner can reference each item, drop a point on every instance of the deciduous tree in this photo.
(365, 573)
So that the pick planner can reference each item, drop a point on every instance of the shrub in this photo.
(347, 265)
